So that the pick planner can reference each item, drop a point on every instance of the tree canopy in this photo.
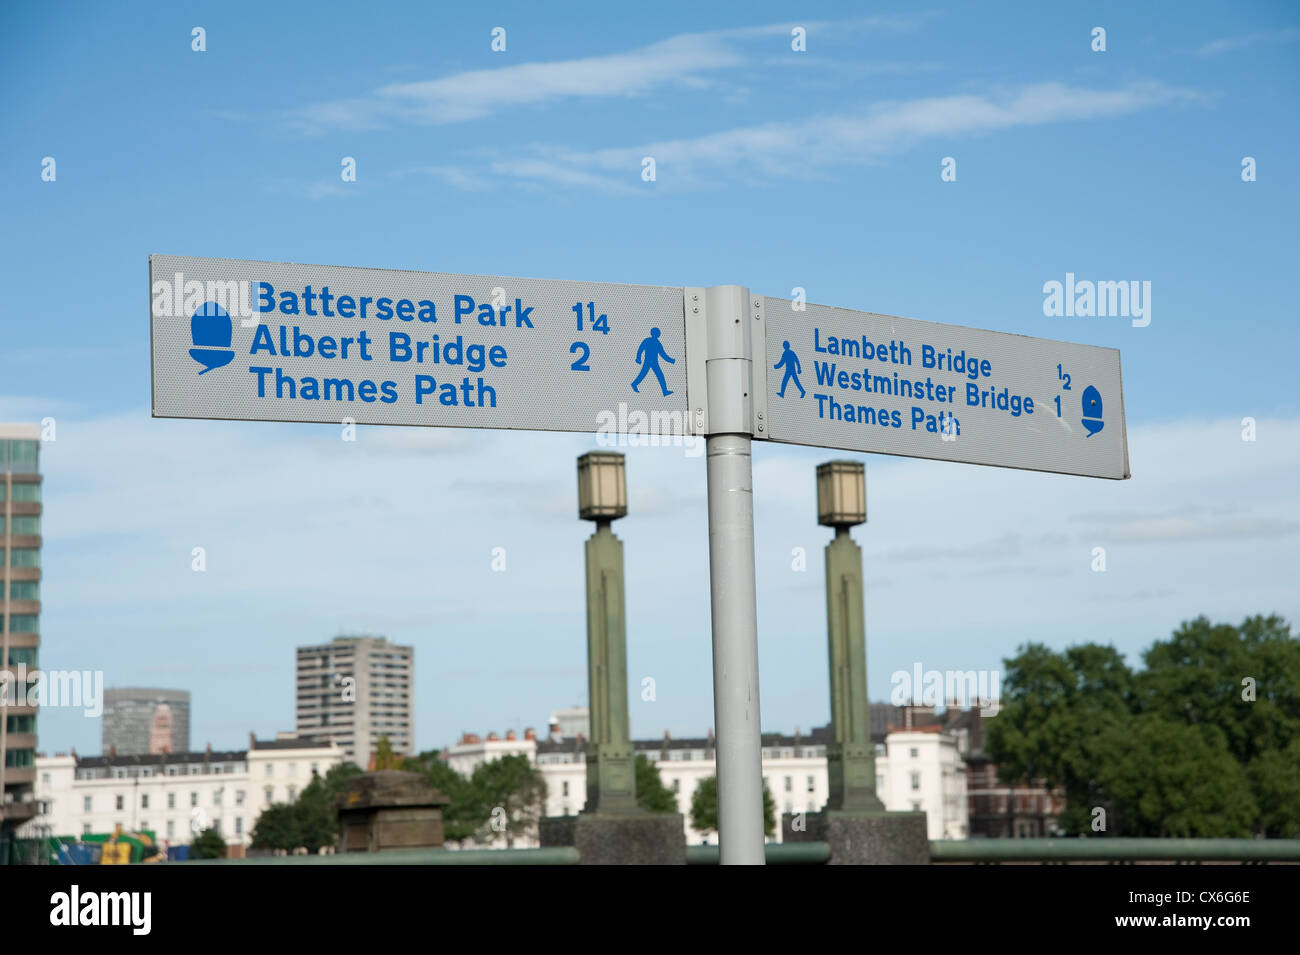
(1205, 741)
(310, 821)
(208, 844)
(651, 793)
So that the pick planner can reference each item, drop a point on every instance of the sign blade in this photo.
(861, 381)
(268, 341)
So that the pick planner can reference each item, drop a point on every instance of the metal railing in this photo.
(1114, 850)
(944, 851)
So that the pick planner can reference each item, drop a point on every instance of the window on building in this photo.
(913, 752)
(24, 623)
(22, 456)
(24, 590)
(121, 802)
(315, 769)
(194, 798)
(293, 793)
(85, 828)
(270, 769)
(20, 724)
(269, 794)
(171, 829)
(27, 493)
(677, 785)
(144, 801)
(812, 784)
(86, 802)
(171, 800)
(216, 797)
(239, 797)
(565, 788)
(25, 557)
(25, 524)
(789, 784)
(239, 825)
(916, 807)
(216, 826)
(916, 780)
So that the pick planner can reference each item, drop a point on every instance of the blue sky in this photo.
(775, 169)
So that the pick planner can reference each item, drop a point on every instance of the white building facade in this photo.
(915, 770)
(174, 794)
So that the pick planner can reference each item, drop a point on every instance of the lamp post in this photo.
(611, 770)
(850, 756)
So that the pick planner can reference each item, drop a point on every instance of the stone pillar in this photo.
(850, 756)
(611, 768)
(854, 822)
(611, 829)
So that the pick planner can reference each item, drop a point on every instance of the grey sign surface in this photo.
(865, 382)
(273, 341)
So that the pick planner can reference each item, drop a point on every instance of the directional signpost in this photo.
(283, 342)
(866, 382)
(264, 341)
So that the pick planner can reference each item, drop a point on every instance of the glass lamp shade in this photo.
(841, 493)
(602, 486)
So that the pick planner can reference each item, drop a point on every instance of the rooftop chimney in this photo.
(530, 733)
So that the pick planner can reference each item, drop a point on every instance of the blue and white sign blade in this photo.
(861, 381)
(273, 341)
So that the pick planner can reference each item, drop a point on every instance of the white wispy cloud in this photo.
(810, 145)
(688, 60)
(1234, 43)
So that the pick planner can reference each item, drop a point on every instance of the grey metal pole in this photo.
(721, 366)
(735, 650)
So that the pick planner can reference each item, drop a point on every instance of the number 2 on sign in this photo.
(1064, 377)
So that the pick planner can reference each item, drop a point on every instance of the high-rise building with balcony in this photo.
(20, 631)
(355, 690)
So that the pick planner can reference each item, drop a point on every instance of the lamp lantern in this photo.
(602, 486)
(841, 494)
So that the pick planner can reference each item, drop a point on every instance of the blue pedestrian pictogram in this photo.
(210, 331)
(790, 361)
(1092, 410)
(647, 356)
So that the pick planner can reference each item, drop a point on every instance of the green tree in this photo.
(311, 820)
(1197, 677)
(704, 807)
(462, 817)
(1166, 779)
(1205, 741)
(1275, 783)
(277, 828)
(510, 796)
(208, 844)
(1055, 709)
(651, 793)
(385, 758)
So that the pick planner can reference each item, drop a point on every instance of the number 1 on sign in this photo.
(599, 323)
